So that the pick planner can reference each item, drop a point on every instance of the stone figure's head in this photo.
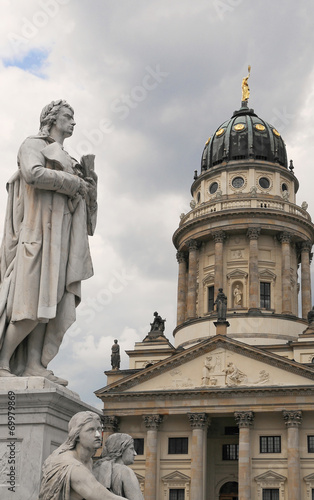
(49, 115)
(119, 447)
(76, 424)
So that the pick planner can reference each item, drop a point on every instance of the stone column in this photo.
(152, 423)
(192, 285)
(285, 239)
(181, 308)
(219, 237)
(110, 426)
(244, 420)
(253, 235)
(306, 278)
(198, 422)
(293, 420)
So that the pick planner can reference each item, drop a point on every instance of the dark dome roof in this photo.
(244, 136)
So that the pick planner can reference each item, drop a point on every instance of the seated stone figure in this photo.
(112, 471)
(67, 471)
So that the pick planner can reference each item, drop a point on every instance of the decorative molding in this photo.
(198, 420)
(192, 245)
(309, 481)
(244, 418)
(237, 274)
(270, 479)
(253, 233)
(181, 257)
(176, 480)
(219, 236)
(285, 237)
(306, 246)
(110, 423)
(292, 418)
(152, 422)
(268, 275)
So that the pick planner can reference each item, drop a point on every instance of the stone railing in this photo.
(214, 206)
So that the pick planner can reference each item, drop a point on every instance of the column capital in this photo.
(110, 423)
(244, 418)
(285, 237)
(219, 236)
(306, 246)
(192, 245)
(292, 418)
(181, 257)
(198, 420)
(253, 233)
(152, 422)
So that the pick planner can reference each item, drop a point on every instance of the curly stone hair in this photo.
(49, 115)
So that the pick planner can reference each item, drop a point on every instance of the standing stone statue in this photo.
(221, 304)
(67, 472)
(112, 470)
(115, 356)
(45, 252)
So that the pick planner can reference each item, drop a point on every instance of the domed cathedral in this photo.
(244, 234)
(227, 412)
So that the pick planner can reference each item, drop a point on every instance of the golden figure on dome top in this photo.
(245, 86)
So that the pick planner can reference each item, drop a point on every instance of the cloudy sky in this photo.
(149, 82)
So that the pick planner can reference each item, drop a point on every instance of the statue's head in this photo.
(49, 115)
(76, 424)
(119, 447)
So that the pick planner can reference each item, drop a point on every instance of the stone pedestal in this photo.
(33, 423)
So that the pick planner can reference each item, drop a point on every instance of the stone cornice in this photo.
(204, 347)
(210, 393)
(269, 214)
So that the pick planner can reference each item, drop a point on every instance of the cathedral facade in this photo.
(227, 412)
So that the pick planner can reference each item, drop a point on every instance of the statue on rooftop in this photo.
(45, 253)
(245, 86)
(158, 325)
(221, 304)
(115, 356)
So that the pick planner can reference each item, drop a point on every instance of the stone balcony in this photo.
(244, 203)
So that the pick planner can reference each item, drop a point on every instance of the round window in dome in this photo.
(276, 132)
(220, 132)
(284, 187)
(237, 182)
(260, 127)
(239, 126)
(264, 182)
(213, 187)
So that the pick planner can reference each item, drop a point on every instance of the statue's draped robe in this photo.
(56, 478)
(113, 476)
(45, 251)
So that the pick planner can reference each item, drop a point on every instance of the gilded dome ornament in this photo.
(245, 86)
(260, 127)
(239, 126)
(220, 132)
(276, 132)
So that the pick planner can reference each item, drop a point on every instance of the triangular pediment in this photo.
(237, 274)
(266, 274)
(309, 478)
(270, 477)
(216, 363)
(175, 476)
